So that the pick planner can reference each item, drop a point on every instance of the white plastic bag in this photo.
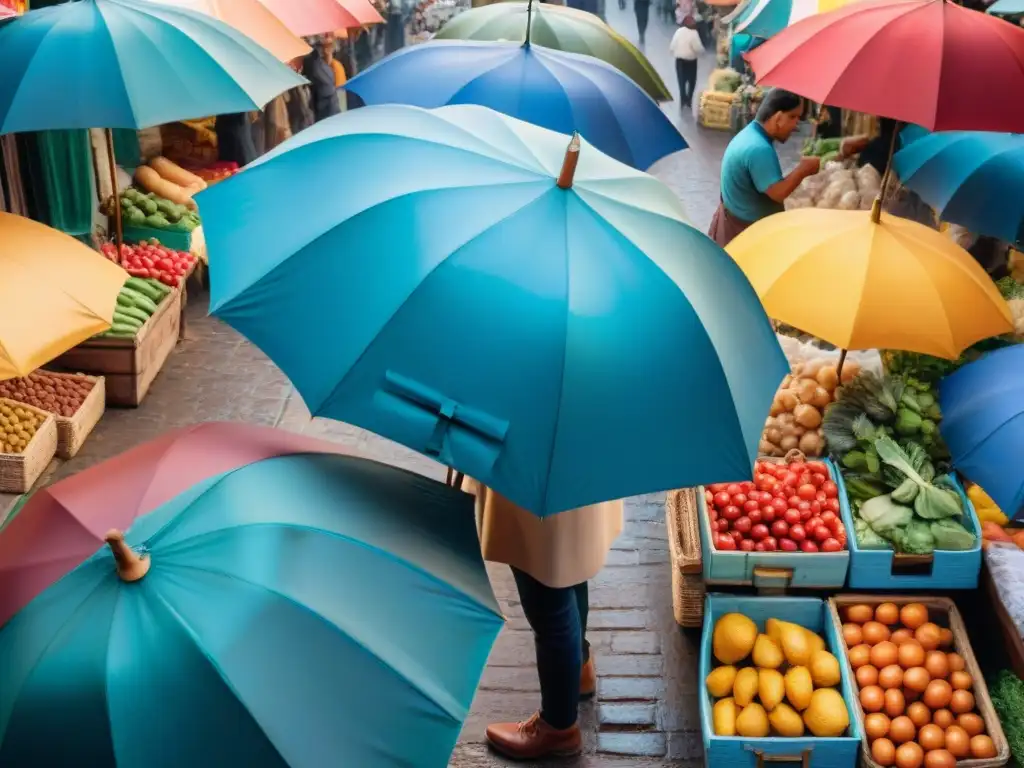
(850, 201)
(1006, 564)
(797, 351)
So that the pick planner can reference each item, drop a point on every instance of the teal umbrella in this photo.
(299, 608)
(1006, 7)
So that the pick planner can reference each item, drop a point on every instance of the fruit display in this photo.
(788, 507)
(984, 507)
(918, 699)
(166, 179)
(18, 425)
(216, 172)
(154, 212)
(136, 303)
(152, 261)
(780, 682)
(61, 395)
(798, 409)
(883, 432)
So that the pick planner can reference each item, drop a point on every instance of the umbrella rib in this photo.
(319, 409)
(445, 708)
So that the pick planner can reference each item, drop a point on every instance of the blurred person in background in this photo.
(300, 114)
(642, 11)
(686, 47)
(317, 68)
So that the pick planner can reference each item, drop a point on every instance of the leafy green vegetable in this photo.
(950, 534)
(860, 488)
(1010, 288)
(917, 538)
(906, 492)
(866, 537)
(908, 422)
(1007, 693)
(932, 502)
(885, 516)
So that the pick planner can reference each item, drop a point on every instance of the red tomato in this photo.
(750, 505)
(743, 525)
(739, 499)
(759, 532)
(722, 525)
(709, 497)
(797, 532)
(732, 488)
(831, 545)
(794, 501)
(792, 516)
(830, 489)
(780, 528)
(797, 466)
(755, 516)
(822, 532)
(828, 518)
(731, 512)
(726, 543)
(759, 546)
(787, 545)
(820, 497)
(808, 546)
(768, 514)
(717, 487)
(804, 506)
(812, 525)
(832, 505)
(767, 483)
(818, 480)
(806, 492)
(779, 505)
(747, 545)
(722, 499)
(770, 544)
(817, 467)
(815, 508)
(838, 529)
(736, 535)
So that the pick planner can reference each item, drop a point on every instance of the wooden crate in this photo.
(942, 611)
(19, 471)
(685, 555)
(129, 365)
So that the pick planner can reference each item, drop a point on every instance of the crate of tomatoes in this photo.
(784, 528)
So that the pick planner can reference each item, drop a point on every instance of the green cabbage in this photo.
(917, 538)
(885, 516)
(931, 502)
(949, 534)
(867, 538)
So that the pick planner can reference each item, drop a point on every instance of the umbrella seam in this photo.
(180, 546)
(347, 633)
(318, 411)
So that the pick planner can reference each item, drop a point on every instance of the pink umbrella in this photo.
(64, 524)
(314, 17)
(7, 13)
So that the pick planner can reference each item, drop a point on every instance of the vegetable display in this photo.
(170, 181)
(917, 697)
(794, 421)
(219, 171)
(826, 149)
(136, 303)
(142, 210)
(152, 261)
(838, 185)
(60, 395)
(1007, 692)
(780, 682)
(986, 509)
(18, 426)
(789, 507)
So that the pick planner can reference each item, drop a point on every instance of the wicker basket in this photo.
(943, 612)
(685, 553)
(714, 112)
(19, 471)
(72, 430)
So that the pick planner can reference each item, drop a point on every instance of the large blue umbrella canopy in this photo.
(1006, 7)
(972, 178)
(983, 424)
(301, 610)
(128, 64)
(562, 91)
(553, 343)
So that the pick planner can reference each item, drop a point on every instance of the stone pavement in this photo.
(645, 713)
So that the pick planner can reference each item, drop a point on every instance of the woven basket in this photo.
(685, 553)
(19, 471)
(943, 612)
(714, 113)
(72, 430)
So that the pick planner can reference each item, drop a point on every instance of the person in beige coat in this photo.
(552, 559)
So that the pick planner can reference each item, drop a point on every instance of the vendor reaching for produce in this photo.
(753, 185)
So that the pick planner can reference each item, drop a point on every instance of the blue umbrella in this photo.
(128, 64)
(562, 91)
(553, 339)
(974, 179)
(1006, 7)
(299, 611)
(983, 424)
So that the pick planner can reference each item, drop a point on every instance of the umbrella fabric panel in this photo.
(969, 177)
(135, 65)
(383, 583)
(559, 91)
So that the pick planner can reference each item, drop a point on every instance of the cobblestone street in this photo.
(645, 713)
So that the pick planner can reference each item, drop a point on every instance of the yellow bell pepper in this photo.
(987, 509)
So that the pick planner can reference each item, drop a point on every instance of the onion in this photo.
(811, 444)
(788, 400)
(828, 378)
(773, 435)
(765, 448)
(784, 420)
(821, 397)
(789, 442)
(811, 369)
(805, 389)
(807, 416)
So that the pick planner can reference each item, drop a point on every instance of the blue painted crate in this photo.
(771, 569)
(874, 568)
(169, 238)
(740, 752)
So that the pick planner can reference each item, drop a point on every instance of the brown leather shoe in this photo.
(534, 739)
(588, 679)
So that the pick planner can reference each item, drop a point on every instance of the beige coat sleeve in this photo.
(560, 550)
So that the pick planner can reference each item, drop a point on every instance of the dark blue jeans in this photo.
(558, 618)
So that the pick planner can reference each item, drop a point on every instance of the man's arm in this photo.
(780, 190)
(853, 145)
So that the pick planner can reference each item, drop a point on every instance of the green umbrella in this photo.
(561, 28)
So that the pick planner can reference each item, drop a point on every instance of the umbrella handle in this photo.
(112, 163)
(131, 566)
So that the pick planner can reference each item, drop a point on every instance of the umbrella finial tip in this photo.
(131, 566)
(572, 157)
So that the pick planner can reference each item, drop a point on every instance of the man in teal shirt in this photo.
(753, 185)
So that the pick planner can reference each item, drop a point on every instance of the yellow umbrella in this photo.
(252, 19)
(54, 293)
(864, 280)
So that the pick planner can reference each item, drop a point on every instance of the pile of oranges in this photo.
(915, 691)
